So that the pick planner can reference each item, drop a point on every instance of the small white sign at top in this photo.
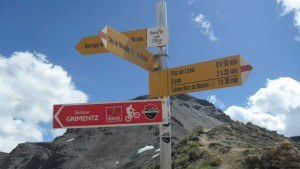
(158, 36)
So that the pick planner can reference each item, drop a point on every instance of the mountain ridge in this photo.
(234, 145)
(74, 148)
(118, 147)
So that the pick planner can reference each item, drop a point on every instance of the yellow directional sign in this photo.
(219, 73)
(90, 45)
(93, 44)
(120, 45)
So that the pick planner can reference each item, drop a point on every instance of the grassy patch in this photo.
(213, 160)
(198, 130)
(252, 161)
(199, 166)
(154, 164)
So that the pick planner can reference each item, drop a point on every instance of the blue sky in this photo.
(265, 33)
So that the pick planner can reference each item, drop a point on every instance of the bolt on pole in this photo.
(162, 56)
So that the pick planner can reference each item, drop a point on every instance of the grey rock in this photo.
(115, 147)
(2, 157)
(282, 155)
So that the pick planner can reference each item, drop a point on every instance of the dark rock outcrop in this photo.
(296, 138)
(3, 156)
(283, 155)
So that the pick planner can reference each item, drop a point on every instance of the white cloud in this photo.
(15, 131)
(204, 26)
(292, 6)
(29, 86)
(218, 103)
(57, 132)
(190, 2)
(275, 107)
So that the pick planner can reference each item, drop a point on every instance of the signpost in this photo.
(145, 112)
(120, 45)
(163, 82)
(162, 57)
(143, 38)
(219, 73)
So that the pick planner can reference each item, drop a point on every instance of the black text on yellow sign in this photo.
(93, 44)
(219, 73)
(122, 46)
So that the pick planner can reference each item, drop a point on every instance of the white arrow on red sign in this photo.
(145, 112)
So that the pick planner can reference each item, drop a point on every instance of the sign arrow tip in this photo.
(246, 68)
(103, 35)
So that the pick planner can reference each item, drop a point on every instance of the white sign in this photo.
(157, 36)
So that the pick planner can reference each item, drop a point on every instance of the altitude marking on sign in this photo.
(158, 36)
(93, 44)
(145, 112)
(219, 73)
(120, 45)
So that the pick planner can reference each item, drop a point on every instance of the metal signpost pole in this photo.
(162, 56)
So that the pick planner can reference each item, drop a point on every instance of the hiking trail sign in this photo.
(218, 73)
(124, 47)
(150, 37)
(144, 112)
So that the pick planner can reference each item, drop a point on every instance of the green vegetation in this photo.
(199, 166)
(213, 161)
(198, 130)
(252, 161)
(190, 153)
(233, 145)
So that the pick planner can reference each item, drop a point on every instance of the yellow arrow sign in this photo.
(219, 73)
(120, 45)
(93, 44)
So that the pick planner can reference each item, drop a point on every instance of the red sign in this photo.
(144, 112)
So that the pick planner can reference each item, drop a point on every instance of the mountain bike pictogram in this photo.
(131, 113)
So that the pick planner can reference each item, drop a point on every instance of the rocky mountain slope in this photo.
(116, 147)
(2, 157)
(234, 146)
(218, 143)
